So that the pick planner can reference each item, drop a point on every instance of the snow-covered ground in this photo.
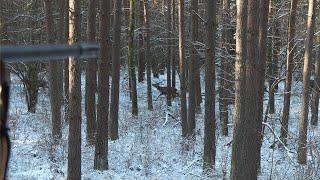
(150, 146)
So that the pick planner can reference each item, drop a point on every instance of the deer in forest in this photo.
(168, 91)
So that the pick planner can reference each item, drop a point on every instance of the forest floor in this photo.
(150, 146)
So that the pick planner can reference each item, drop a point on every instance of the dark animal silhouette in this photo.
(168, 91)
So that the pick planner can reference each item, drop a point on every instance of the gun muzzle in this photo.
(11, 53)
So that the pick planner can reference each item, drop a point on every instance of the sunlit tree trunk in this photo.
(263, 32)
(303, 123)
(147, 52)
(74, 150)
(246, 132)
(182, 66)
(240, 79)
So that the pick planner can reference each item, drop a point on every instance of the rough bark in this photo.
(182, 67)
(101, 146)
(114, 106)
(74, 143)
(91, 76)
(209, 129)
(245, 136)
(53, 77)
(192, 70)
(66, 62)
(263, 32)
(303, 123)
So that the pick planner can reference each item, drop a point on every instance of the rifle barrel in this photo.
(11, 53)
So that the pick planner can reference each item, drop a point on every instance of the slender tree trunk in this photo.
(74, 152)
(223, 91)
(315, 92)
(53, 77)
(173, 48)
(303, 123)
(194, 53)
(289, 69)
(141, 56)
(61, 39)
(263, 32)
(66, 63)
(101, 146)
(182, 66)
(209, 128)
(274, 58)
(114, 107)
(147, 53)
(91, 76)
(192, 70)
(132, 70)
(169, 49)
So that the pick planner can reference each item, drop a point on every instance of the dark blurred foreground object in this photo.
(31, 53)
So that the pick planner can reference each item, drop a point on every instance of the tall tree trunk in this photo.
(61, 39)
(141, 56)
(289, 69)
(275, 46)
(209, 126)
(169, 53)
(223, 91)
(114, 106)
(263, 32)
(53, 77)
(315, 92)
(66, 62)
(182, 67)
(101, 146)
(147, 52)
(173, 49)
(131, 61)
(74, 152)
(303, 123)
(240, 79)
(246, 137)
(91, 76)
(197, 62)
(192, 70)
